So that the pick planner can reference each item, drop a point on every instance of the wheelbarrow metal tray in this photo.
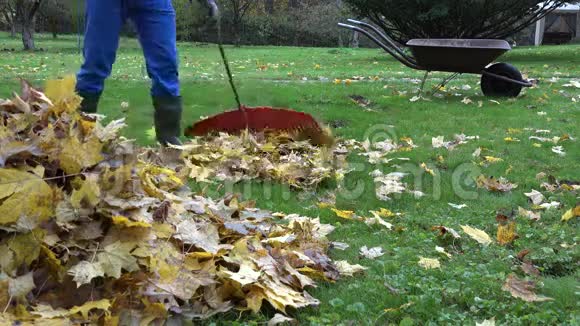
(457, 55)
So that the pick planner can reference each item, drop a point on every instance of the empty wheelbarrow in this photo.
(459, 56)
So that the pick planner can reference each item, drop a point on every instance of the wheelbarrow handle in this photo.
(385, 38)
(404, 59)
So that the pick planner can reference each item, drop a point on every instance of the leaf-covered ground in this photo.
(417, 275)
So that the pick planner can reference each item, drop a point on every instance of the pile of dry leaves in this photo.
(262, 156)
(90, 232)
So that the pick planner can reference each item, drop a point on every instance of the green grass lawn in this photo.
(468, 286)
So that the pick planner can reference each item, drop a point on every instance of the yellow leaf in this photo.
(202, 235)
(125, 222)
(88, 194)
(152, 312)
(163, 230)
(490, 160)
(87, 126)
(476, 234)
(84, 310)
(157, 180)
(70, 158)
(347, 269)
(117, 256)
(247, 274)
(406, 305)
(383, 212)
(572, 212)
(26, 247)
(430, 171)
(62, 93)
(429, 263)
(24, 194)
(53, 263)
(506, 233)
(48, 312)
(349, 215)
(322, 205)
(442, 250)
(200, 255)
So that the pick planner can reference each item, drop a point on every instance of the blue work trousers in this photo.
(155, 23)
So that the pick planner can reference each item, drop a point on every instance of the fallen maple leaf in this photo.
(19, 287)
(443, 230)
(349, 215)
(406, 305)
(84, 310)
(371, 253)
(559, 150)
(442, 250)
(24, 194)
(429, 263)
(281, 319)
(534, 216)
(347, 269)
(522, 289)
(487, 322)
(457, 206)
(84, 272)
(529, 269)
(506, 232)
(477, 235)
(535, 196)
(492, 184)
(572, 212)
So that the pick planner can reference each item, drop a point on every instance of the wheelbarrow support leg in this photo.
(445, 82)
(423, 82)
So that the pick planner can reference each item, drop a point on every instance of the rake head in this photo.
(259, 119)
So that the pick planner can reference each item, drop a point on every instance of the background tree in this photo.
(55, 15)
(496, 19)
(8, 15)
(26, 11)
(238, 10)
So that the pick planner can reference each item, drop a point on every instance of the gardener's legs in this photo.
(104, 19)
(155, 21)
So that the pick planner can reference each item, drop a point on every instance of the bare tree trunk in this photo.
(54, 29)
(293, 4)
(28, 36)
(25, 17)
(269, 6)
(354, 41)
(10, 20)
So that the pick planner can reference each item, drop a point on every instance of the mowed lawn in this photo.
(395, 289)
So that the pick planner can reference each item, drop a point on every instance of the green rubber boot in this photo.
(90, 102)
(167, 119)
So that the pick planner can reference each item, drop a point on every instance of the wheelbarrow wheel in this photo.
(496, 87)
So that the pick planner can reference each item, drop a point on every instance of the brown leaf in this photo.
(497, 185)
(522, 289)
(443, 230)
(529, 269)
(522, 254)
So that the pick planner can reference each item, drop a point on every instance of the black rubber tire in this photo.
(500, 88)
